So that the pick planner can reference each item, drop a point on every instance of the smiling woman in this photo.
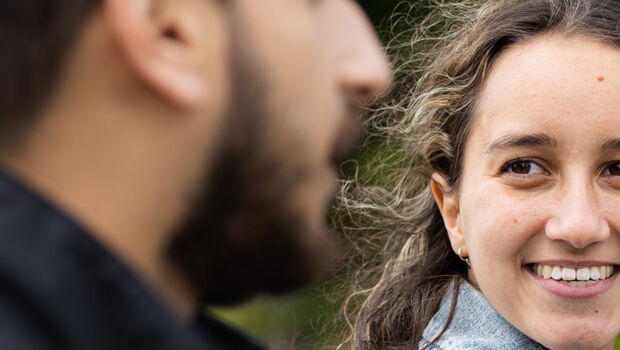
(503, 214)
(539, 197)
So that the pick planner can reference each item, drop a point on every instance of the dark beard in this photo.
(246, 234)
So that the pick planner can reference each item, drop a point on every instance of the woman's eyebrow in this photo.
(612, 143)
(524, 140)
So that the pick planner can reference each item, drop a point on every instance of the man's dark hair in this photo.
(36, 37)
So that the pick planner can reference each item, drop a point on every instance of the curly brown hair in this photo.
(441, 64)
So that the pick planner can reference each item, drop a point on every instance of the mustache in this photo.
(351, 135)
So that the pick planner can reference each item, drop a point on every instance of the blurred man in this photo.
(159, 155)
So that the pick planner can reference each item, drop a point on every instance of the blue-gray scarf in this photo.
(475, 325)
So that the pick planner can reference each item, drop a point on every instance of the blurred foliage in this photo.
(308, 319)
(303, 320)
(378, 10)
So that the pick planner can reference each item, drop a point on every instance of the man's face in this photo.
(299, 67)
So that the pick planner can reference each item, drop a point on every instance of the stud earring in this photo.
(465, 259)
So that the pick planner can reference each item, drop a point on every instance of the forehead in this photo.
(568, 86)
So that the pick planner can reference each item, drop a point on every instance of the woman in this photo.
(503, 211)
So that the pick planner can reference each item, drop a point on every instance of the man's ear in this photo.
(447, 202)
(155, 37)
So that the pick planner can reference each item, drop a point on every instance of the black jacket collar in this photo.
(61, 288)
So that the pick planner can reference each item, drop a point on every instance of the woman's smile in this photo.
(573, 279)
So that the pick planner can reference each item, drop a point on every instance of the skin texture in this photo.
(564, 204)
(156, 94)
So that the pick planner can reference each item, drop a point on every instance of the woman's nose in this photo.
(578, 219)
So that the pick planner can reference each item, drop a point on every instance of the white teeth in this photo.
(568, 274)
(577, 283)
(594, 273)
(583, 276)
(556, 273)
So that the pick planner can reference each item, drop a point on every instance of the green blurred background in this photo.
(309, 319)
(378, 10)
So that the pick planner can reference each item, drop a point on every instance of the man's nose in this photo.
(362, 68)
(578, 218)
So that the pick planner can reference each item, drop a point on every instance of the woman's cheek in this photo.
(498, 228)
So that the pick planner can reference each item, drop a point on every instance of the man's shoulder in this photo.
(21, 327)
(223, 336)
(61, 289)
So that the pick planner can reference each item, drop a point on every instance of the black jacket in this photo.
(60, 289)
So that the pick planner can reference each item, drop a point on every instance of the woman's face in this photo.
(540, 193)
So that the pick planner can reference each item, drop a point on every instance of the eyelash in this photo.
(606, 170)
(507, 167)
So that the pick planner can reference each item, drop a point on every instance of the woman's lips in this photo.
(573, 282)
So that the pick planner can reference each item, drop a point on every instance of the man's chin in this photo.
(245, 258)
(277, 267)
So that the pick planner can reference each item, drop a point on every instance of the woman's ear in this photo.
(447, 202)
(153, 37)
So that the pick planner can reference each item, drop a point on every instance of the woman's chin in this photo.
(584, 338)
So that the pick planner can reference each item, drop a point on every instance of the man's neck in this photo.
(107, 183)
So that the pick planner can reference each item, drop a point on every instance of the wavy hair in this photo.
(387, 209)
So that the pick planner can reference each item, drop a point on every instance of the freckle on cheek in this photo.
(515, 221)
(600, 78)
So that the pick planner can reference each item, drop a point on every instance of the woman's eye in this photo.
(613, 169)
(524, 167)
